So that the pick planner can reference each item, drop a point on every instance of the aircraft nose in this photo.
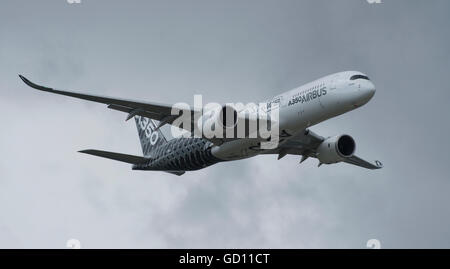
(365, 92)
(370, 90)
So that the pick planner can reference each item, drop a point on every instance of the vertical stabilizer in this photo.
(148, 135)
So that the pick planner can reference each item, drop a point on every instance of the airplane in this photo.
(299, 109)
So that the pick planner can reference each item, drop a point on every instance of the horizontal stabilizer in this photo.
(131, 159)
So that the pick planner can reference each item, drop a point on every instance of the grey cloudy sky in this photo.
(167, 51)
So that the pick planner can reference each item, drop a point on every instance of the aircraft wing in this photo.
(156, 111)
(306, 144)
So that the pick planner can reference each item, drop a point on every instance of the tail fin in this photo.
(148, 135)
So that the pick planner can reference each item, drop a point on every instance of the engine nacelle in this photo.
(335, 149)
(219, 121)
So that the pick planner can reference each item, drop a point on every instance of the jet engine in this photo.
(219, 121)
(336, 149)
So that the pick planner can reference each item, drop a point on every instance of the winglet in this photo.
(33, 85)
(379, 164)
(26, 81)
(22, 77)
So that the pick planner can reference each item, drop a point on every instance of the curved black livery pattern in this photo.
(171, 155)
(180, 154)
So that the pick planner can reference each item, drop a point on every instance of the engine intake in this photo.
(336, 149)
(219, 122)
(228, 117)
(346, 146)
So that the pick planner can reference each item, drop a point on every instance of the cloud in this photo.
(246, 51)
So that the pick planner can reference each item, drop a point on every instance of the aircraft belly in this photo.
(236, 150)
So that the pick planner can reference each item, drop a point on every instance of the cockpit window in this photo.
(355, 77)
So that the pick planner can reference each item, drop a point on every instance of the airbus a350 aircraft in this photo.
(298, 109)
